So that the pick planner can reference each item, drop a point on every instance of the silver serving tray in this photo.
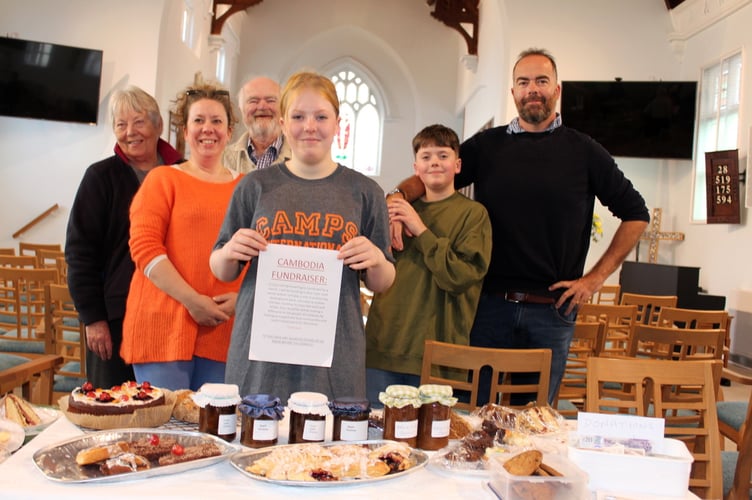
(243, 459)
(58, 462)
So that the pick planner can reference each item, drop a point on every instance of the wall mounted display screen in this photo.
(634, 119)
(49, 81)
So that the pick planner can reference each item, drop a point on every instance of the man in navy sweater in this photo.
(538, 179)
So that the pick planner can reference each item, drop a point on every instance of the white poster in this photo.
(296, 305)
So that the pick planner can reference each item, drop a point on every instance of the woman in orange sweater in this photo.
(178, 316)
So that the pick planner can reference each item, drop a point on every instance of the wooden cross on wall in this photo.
(654, 235)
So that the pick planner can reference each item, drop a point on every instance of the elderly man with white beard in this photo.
(262, 144)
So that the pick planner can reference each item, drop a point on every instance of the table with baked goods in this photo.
(23, 480)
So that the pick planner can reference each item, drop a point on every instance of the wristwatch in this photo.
(397, 191)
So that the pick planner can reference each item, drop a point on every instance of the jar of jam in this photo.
(433, 417)
(218, 406)
(308, 412)
(259, 420)
(350, 419)
(401, 404)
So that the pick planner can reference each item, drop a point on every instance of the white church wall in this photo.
(41, 162)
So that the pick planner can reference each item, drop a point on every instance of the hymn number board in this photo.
(722, 185)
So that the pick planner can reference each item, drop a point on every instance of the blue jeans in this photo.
(174, 375)
(378, 380)
(509, 325)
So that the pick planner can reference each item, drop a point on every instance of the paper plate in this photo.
(11, 436)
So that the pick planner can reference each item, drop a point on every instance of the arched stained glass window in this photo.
(359, 141)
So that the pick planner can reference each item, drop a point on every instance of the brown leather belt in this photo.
(527, 298)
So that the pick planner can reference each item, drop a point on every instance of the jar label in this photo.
(265, 430)
(440, 428)
(227, 424)
(313, 430)
(406, 429)
(353, 431)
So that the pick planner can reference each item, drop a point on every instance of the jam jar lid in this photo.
(435, 393)
(350, 406)
(221, 395)
(257, 405)
(308, 403)
(399, 396)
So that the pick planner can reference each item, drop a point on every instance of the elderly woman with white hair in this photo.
(96, 248)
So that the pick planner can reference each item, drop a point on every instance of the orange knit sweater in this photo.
(178, 215)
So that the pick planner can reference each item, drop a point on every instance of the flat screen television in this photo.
(49, 81)
(634, 119)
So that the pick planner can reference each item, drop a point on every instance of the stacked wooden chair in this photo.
(42, 343)
(608, 294)
(22, 281)
(619, 322)
(648, 306)
(66, 337)
(661, 342)
(22, 306)
(695, 318)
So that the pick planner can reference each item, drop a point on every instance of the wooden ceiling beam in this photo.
(457, 14)
(235, 6)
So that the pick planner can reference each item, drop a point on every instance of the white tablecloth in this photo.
(20, 479)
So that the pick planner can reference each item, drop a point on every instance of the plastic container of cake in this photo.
(664, 473)
(571, 485)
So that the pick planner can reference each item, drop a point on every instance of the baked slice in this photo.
(152, 449)
(20, 412)
(190, 453)
(124, 463)
(101, 453)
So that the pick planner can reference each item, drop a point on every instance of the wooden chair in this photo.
(648, 306)
(7, 302)
(660, 342)
(7, 251)
(608, 294)
(733, 416)
(654, 394)
(619, 322)
(699, 318)
(24, 308)
(53, 259)
(460, 365)
(17, 260)
(34, 374)
(31, 248)
(737, 465)
(66, 336)
(587, 341)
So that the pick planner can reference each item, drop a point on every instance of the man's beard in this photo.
(535, 114)
(264, 128)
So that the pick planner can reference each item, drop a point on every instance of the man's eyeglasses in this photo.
(207, 93)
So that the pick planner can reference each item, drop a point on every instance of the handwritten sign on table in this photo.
(296, 305)
(620, 426)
